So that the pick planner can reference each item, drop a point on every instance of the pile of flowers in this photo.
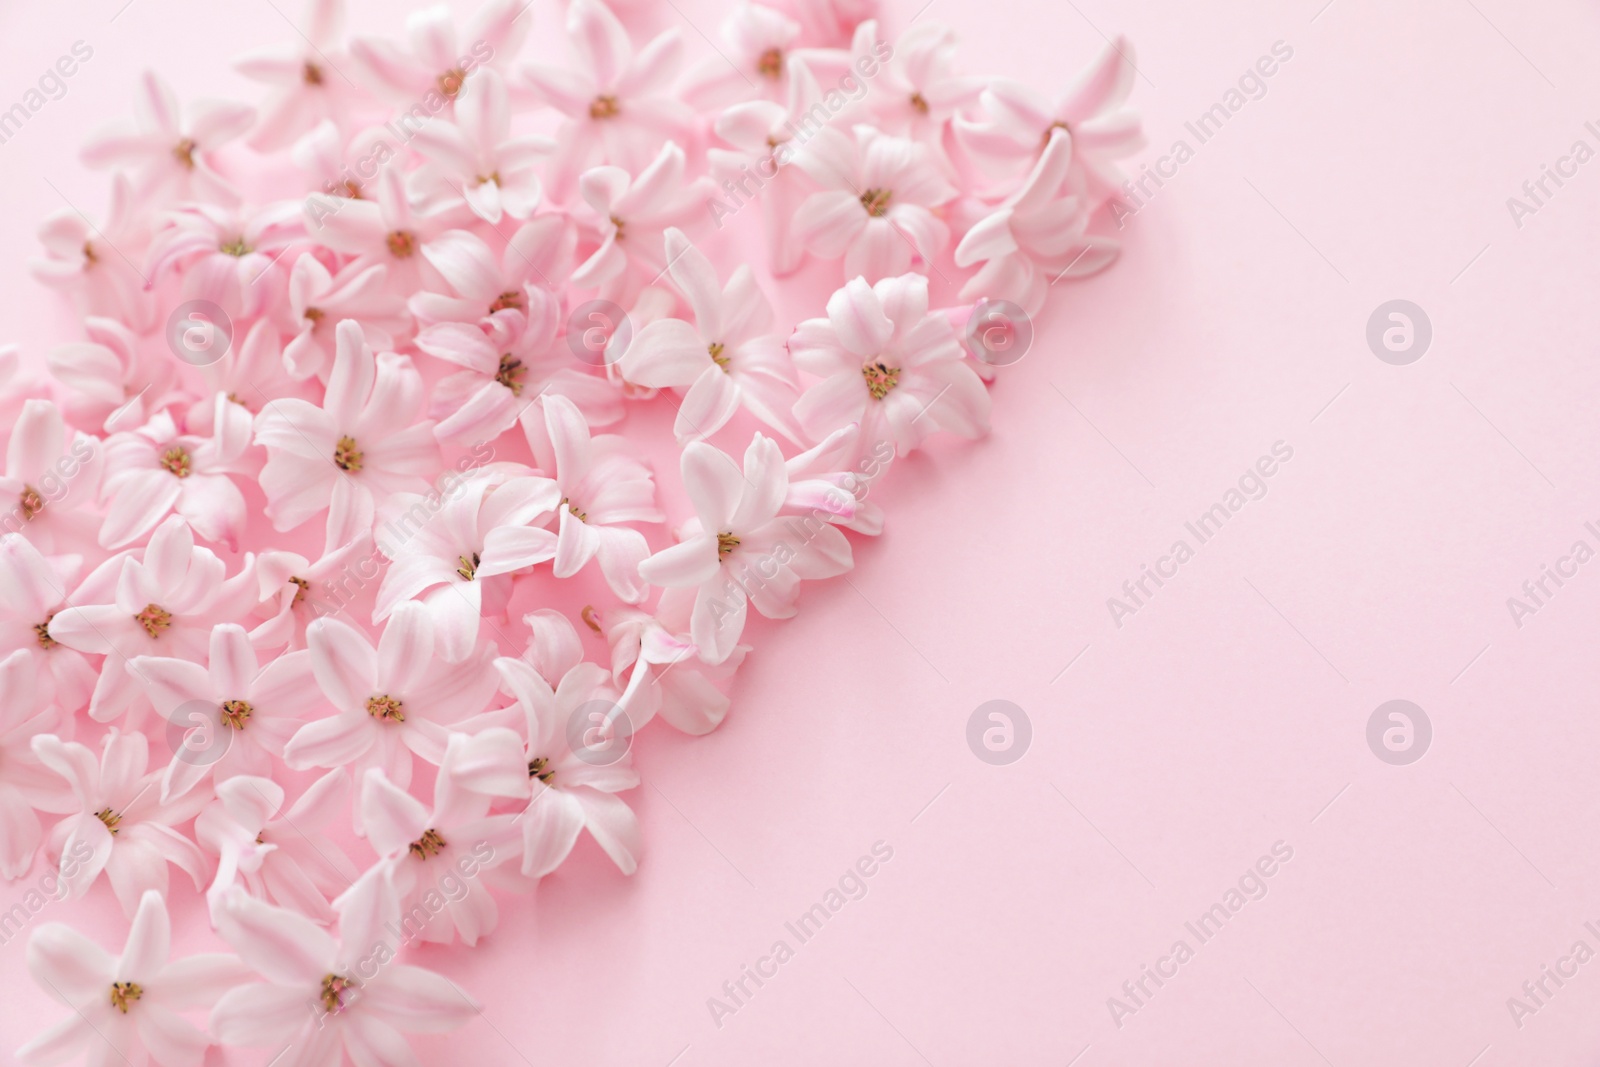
(328, 578)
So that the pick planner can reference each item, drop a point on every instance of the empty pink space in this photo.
(1323, 439)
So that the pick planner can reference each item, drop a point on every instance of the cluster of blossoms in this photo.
(319, 583)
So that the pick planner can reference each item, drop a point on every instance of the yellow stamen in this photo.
(876, 201)
(333, 989)
(176, 460)
(123, 994)
(386, 708)
(236, 713)
(155, 620)
(726, 543)
(604, 107)
(346, 456)
(427, 845)
(880, 379)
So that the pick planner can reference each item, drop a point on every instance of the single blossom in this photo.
(381, 229)
(824, 484)
(617, 103)
(156, 470)
(126, 1008)
(759, 41)
(1017, 122)
(275, 853)
(602, 485)
(727, 359)
(1035, 237)
(635, 214)
(232, 716)
(227, 257)
(916, 91)
(887, 366)
(307, 79)
(569, 765)
(425, 850)
(171, 157)
(50, 480)
(318, 995)
(112, 381)
(390, 701)
(658, 668)
(319, 299)
(96, 264)
(252, 372)
(538, 256)
(164, 604)
(738, 550)
(877, 204)
(433, 73)
(27, 786)
(296, 590)
(363, 444)
(33, 587)
(506, 362)
(119, 825)
(476, 159)
(764, 136)
(457, 557)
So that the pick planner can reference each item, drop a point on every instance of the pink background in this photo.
(1230, 712)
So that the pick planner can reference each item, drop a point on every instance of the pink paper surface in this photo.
(1228, 714)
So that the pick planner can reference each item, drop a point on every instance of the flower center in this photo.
(31, 502)
(385, 708)
(402, 245)
(427, 845)
(880, 379)
(1054, 126)
(469, 566)
(109, 817)
(154, 619)
(716, 348)
(350, 189)
(604, 107)
(89, 256)
(315, 315)
(876, 201)
(176, 460)
(582, 516)
(540, 768)
(236, 247)
(588, 615)
(726, 543)
(236, 713)
(42, 632)
(123, 994)
(311, 74)
(451, 80)
(346, 456)
(510, 300)
(621, 227)
(511, 373)
(300, 593)
(183, 152)
(771, 63)
(919, 102)
(333, 990)
(485, 179)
